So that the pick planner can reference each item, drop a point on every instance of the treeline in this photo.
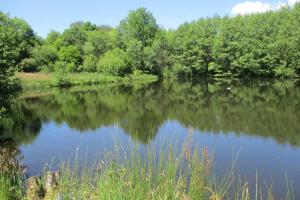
(265, 44)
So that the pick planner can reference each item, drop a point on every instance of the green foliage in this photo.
(45, 54)
(99, 42)
(52, 37)
(193, 45)
(75, 35)
(89, 64)
(157, 55)
(9, 47)
(140, 25)
(135, 54)
(214, 69)
(4, 188)
(255, 45)
(61, 78)
(27, 38)
(284, 72)
(8, 91)
(125, 173)
(12, 178)
(16, 42)
(43, 58)
(59, 66)
(265, 45)
(180, 70)
(138, 77)
(29, 65)
(164, 173)
(45, 81)
(258, 108)
(70, 55)
(114, 62)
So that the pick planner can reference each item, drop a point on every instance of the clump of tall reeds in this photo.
(12, 176)
(139, 173)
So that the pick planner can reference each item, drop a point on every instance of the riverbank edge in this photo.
(51, 80)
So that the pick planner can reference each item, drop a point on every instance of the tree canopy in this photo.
(17, 40)
(140, 25)
(264, 45)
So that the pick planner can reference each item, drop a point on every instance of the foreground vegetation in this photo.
(131, 174)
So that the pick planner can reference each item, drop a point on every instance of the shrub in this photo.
(44, 55)
(61, 79)
(71, 55)
(284, 72)
(168, 73)
(114, 62)
(89, 64)
(135, 55)
(214, 69)
(181, 70)
(28, 65)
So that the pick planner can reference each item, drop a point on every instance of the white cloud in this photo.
(250, 7)
(292, 2)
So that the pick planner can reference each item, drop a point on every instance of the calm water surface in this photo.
(256, 122)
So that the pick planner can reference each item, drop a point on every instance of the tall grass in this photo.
(137, 175)
(138, 172)
(165, 174)
(4, 188)
(11, 175)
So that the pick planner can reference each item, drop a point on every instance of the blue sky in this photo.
(47, 15)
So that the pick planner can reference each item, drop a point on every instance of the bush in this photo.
(139, 77)
(114, 62)
(157, 56)
(284, 72)
(72, 56)
(214, 69)
(44, 57)
(181, 70)
(61, 79)
(59, 65)
(89, 64)
(168, 73)
(28, 65)
(135, 55)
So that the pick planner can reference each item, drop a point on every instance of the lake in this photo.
(255, 122)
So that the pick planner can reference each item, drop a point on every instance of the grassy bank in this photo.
(130, 174)
(167, 175)
(40, 79)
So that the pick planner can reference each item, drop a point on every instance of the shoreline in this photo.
(49, 80)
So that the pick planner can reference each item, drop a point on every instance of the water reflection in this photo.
(262, 108)
(11, 169)
(257, 118)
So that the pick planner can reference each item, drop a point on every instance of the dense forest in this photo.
(266, 44)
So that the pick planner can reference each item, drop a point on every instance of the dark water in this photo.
(257, 122)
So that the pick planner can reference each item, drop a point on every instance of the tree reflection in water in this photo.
(257, 107)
